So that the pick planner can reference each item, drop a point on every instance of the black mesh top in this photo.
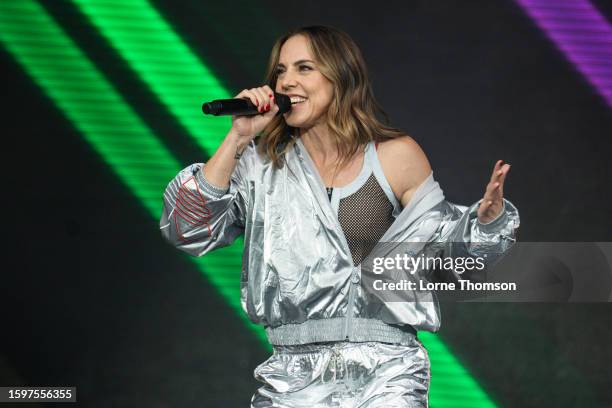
(364, 217)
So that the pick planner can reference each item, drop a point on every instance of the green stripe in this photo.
(181, 82)
(89, 102)
(174, 73)
(451, 384)
(101, 115)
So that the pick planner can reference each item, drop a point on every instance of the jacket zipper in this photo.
(338, 227)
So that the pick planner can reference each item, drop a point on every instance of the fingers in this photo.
(270, 108)
(495, 188)
(249, 94)
(262, 97)
(270, 93)
(499, 172)
(502, 178)
(266, 96)
(492, 201)
(492, 192)
(496, 169)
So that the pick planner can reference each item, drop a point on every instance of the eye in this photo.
(305, 68)
(279, 71)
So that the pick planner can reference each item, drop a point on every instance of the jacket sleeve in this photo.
(461, 234)
(199, 217)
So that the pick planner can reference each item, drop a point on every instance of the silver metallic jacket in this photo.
(298, 278)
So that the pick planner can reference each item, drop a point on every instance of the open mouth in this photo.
(297, 99)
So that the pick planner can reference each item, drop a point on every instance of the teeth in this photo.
(297, 99)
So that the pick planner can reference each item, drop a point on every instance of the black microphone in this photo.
(243, 106)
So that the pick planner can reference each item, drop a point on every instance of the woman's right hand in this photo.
(247, 127)
(220, 167)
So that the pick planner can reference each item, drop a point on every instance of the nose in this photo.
(287, 80)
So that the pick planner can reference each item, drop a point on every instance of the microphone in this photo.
(243, 106)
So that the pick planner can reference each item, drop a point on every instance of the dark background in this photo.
(117, 312)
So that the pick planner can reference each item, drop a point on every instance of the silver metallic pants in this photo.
(344, 374)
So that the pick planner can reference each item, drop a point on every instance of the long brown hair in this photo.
(354, 116)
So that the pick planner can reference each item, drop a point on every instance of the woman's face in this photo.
(299, 77)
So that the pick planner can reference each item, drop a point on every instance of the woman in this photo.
(313, 195)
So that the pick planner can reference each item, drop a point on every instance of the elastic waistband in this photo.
(325, 330)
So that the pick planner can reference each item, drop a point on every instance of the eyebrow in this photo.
(296, 62)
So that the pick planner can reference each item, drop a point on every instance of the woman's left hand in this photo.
(492, 202)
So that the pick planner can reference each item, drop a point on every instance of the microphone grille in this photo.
(283, 102)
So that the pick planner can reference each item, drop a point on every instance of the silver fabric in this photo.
(298, 278)
(344, 374)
